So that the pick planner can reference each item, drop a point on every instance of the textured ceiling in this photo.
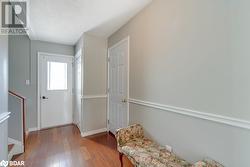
(64, 21)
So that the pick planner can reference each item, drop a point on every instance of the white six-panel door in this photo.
(55, 90)
(118, 86)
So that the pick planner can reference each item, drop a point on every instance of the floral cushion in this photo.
(143, 152)
(146, 153)
(124, 135)
(207, 163)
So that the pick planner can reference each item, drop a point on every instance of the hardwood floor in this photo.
(64, 147)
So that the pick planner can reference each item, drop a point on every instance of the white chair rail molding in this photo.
(197, 114)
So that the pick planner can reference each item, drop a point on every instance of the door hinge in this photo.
(108, 59)
(108, 121)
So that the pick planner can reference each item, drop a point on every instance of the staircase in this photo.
(16, 124)
(10, 148)
(14, 148)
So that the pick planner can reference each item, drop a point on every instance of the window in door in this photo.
(57, 76)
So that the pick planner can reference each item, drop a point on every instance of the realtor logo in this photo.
(14, 17)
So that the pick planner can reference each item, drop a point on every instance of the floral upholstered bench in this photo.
(143, 152)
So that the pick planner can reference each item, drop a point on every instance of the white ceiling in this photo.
(64, 21)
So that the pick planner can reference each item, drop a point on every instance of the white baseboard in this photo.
(93, 132)
(83, 134)
(33, 129)
(13, 141)
(17, 149)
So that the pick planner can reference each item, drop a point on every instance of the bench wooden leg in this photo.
(120, 157)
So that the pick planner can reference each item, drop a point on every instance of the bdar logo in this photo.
(4, 163)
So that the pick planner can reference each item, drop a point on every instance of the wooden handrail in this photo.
(23, 99)
(17, 95)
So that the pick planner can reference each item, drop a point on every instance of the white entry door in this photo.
(118, 86)
(55, 83)
(78, 90)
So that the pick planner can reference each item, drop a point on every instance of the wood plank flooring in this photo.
(64, 147)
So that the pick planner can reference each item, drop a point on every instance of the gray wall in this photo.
(95, 65)
(3, 74)
(192, 54)
(3, 96)
(94, 52)
(15, 121)
(19, 71)
(23, 66)
(193, 138)
(95, 70)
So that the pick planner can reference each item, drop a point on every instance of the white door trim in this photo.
(78, 55)
(55, 54)
(38, 82)
(128, 68)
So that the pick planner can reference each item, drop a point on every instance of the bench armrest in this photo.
(125, 135)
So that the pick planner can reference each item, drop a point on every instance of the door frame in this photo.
(126, 39)
(39, 54)
(78, 55)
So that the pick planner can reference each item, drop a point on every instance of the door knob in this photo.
(45, 97)
(124, 100)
